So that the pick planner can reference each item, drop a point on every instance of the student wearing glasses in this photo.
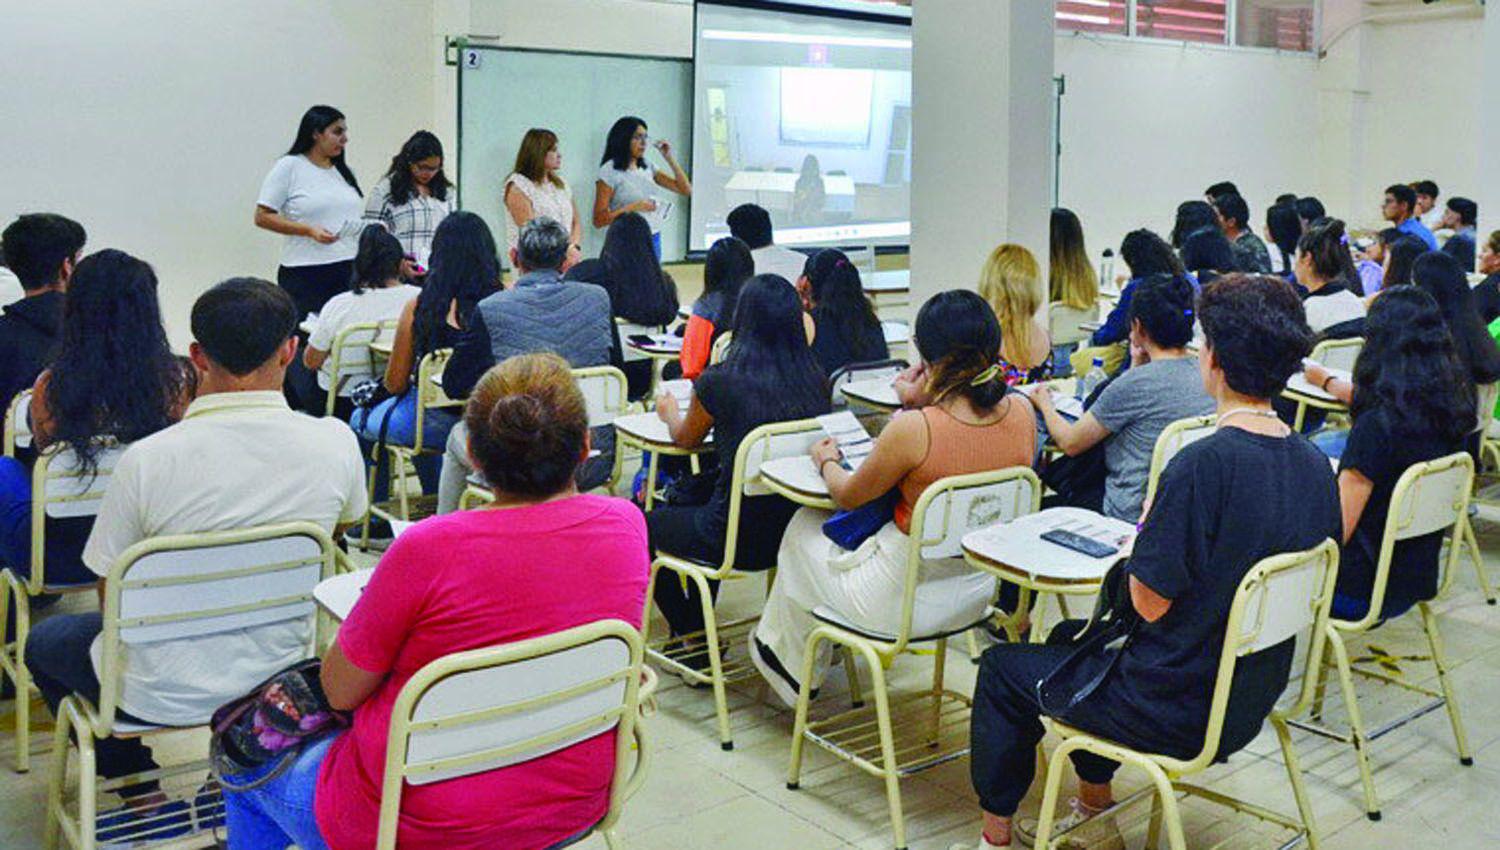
(627, 182)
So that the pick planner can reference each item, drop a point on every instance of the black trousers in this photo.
(312, 286)
(674, 530)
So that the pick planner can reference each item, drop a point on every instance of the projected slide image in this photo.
(811, 121)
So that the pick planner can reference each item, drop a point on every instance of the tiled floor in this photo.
(698, 797)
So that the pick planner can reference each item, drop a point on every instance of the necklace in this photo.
(1249, 411)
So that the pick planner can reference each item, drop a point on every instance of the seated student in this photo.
(1401, 255)
(1208, 254)
(752, 225)
(42, 249)
(1439, 275)
(1251, 490)
(1011, 283)
(239, 458)
(848, 331)
(1283, 229)
(769, 376)
(1323, 266)
(1161, 386)
(726, 267)
(537, 311)
(1250, 252)
(464, 269)
(1487, 293)
(1460, 217)
(640, 290)
(1372, 262)
(1193, 217)
(87, 393)
(1145, 254)
(1399, 208)
(464, 581)
(1072, 278)
(964, 421)
(1309, 210)
(1412, 402)
(376, 294)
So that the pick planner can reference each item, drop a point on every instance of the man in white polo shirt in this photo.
(239, 458)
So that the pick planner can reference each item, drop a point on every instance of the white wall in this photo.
(154, 123)
(1147, 125)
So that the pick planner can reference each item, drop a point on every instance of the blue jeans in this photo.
(402, 431)
(280, 812)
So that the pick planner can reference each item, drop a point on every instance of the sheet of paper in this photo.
(852, 438)
(682, 390)
(667, 342)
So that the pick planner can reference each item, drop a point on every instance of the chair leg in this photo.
(1153, 827)
(1471, 541)
(1051, 792)
(1356, 723)
(939, 664)
(22, 678)
(1294, 774)
(57, 775)
(364, 534)
(715, 659)
(1435, 643)
(804, 698)
(856, 696)
(887, 746)
(1169, 813)
(1321, 690)
(651, 480)
(973, 641)
(405, 481)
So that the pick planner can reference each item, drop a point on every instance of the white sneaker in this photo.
(1085, 831)
(984, 844)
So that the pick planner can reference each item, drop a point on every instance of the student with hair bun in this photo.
(1161, 386)
(1326, 269)
(960, 420)
(463, 581)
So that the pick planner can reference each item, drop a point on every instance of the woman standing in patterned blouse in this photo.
(535, 188)
(413, 198)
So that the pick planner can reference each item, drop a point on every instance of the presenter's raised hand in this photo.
(663, 147)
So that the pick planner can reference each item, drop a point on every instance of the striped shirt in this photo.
(412, 223)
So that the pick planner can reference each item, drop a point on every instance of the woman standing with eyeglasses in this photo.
(627, 183)
(412, 199)
(311, 197)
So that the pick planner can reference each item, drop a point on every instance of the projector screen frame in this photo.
(895, 18)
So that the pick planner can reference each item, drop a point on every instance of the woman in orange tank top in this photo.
(959, 419)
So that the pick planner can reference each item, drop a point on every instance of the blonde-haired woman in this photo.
(535, 188)
(1071, 277)
(1011, 283)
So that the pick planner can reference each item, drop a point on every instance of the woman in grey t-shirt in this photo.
(627, 183)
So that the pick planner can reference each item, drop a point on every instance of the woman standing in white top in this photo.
(412, 199)
(627, 183)
(535, 188)
(312, 198)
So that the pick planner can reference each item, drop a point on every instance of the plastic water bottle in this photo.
(1088, 383)
(1107, 271)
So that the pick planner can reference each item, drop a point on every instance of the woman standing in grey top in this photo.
(627, 183)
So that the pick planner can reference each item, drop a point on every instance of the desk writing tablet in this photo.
(338, 594)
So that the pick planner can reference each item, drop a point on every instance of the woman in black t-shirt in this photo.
(1251, 490)
(768, 376)
(1413, 401)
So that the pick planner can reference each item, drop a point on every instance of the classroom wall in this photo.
(1148, 125)
(154, 123)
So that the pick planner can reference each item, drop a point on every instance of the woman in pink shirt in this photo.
(542, 559)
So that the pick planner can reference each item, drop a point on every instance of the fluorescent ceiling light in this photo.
(796, 38)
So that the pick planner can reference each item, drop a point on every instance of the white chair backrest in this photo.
(956, 509)
(1338, 353)
(354, 360)
(1063, 322)
(761, 447)
(18, 423)
(501, 715)
(886, 370)
(1180, 435)
(186, 592)
(1281, 595)
(604, 393)
(68, 491)
(720, 348)
(863, 259)
(1431, 496)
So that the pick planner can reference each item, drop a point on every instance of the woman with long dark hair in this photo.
(960, 419)
(1413, 401)
(848, 331)
(465, 268)
(1072, 279)
(1400, 258)
(413, 198)
(627, 183)
(769, 375)
(640, 290)
(1283, 229)
(311, 197)
(1440, 275)
(1192, 217)
(1326, 270)
(535, 188)
(725, 269)
(112, 376)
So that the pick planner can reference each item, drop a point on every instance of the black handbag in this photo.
(1097, 648)
(271, 724)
